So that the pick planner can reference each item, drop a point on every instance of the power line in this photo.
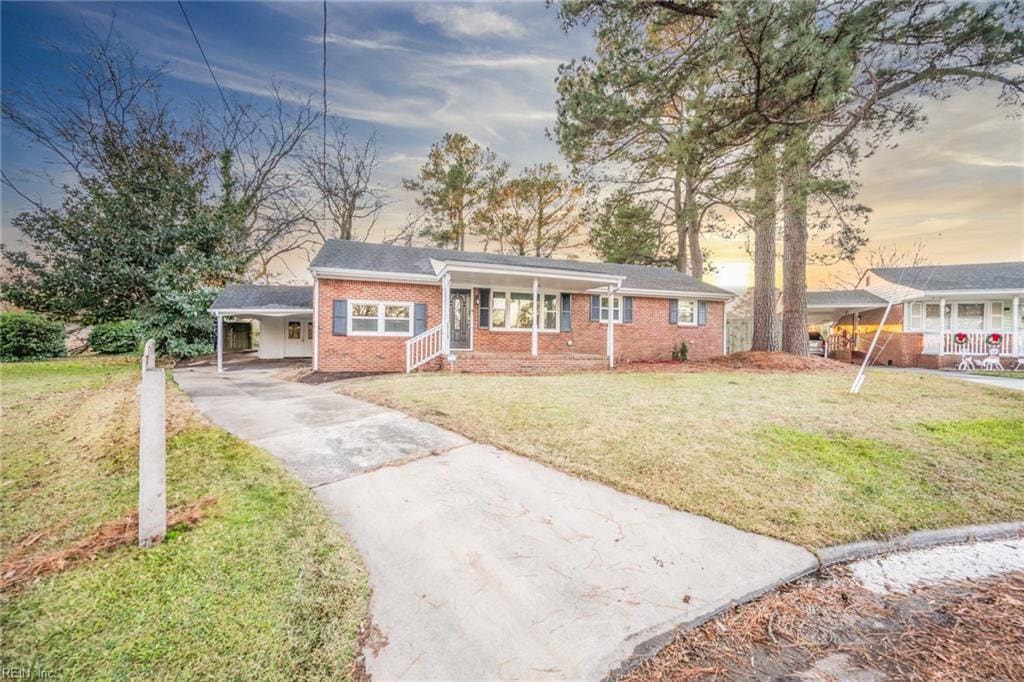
(227, 107)
(323, 166)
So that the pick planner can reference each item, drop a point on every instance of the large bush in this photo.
(27, 336)
(112, 338)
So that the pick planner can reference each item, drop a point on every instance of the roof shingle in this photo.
(354, 255)
(266, 296)
(971, 277)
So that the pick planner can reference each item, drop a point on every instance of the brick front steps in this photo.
(524, 363)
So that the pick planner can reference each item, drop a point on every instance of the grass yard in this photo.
(264, 586)
(789, 455)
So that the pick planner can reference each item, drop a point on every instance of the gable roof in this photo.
(971, 277)
(415, 260)
(263, 296)
(845, 298)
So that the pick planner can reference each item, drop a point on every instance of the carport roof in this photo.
(263, 297)
(846, 298)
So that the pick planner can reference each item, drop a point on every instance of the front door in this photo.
(459, 318)
(295, 339)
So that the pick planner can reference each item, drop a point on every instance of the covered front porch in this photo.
(506, 318)
(967, 325)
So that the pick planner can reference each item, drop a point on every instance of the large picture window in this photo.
(970, 316)
(513, 311)
(379, 318)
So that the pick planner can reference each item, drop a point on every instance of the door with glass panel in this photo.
(459, 320)
(295, 339)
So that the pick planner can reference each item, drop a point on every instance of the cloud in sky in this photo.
(415, 71)
(469, 20)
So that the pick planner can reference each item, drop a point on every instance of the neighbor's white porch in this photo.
(941, 319)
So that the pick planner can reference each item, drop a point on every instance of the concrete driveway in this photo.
(486, 565)
(319, 435)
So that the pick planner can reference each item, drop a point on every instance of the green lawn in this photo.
(790, 455)
(264, 586)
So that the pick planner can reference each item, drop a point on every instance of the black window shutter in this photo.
(673, 311)
(702, 313)
(627, 309)
(485, 308)
(339, 327)
(595, 307)
(566, 325)
(419, 318)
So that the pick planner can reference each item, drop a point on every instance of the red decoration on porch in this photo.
(994, 339)
(960, 338)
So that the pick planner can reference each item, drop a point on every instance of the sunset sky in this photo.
(416, 71)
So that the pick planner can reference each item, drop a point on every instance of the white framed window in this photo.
(617, 309)
(379, 318)
(512, 310)
(933, 317)
(687, 308)
(970, 317)
(915, 317)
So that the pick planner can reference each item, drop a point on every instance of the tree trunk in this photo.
(693, 230)
(766, 183)
(794, 249)
(678, 213)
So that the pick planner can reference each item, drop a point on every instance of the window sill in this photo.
(500, 330)
(397, 335)
(687, 324)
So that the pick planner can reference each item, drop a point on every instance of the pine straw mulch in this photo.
(966, 630)
(745, 361)
(21, 565)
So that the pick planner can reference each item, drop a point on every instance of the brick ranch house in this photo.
(923, 311)
(382, 308)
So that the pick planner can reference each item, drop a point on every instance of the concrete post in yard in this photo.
(152, 451)
(220, 343)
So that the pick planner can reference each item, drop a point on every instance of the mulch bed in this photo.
(967, 630)
(22, 566)
(746, 361)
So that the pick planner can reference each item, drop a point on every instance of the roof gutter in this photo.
(670, 293)
(373, 275)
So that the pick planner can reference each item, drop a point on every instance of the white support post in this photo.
(855, 388)
(220, 343)
(942, 324)
(1018, 346)
(152, 450)
(611, 327)
(316, 324)
(446, 305)
(536, 318)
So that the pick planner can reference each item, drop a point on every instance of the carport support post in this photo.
(855, 388)
(536, 317)
(220, 343)
(152, 451)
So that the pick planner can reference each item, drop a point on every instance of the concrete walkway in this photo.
(1008, 382)
(486, 565)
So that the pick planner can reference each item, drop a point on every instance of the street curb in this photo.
(839, 554)
(829, 556)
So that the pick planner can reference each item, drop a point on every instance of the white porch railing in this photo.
(424, 347)
(976, 344)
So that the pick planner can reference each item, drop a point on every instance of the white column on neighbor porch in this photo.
(536, 318)
(446, 307)
(220, 343)
(942, 324)
(1018, 346)
(611, 326)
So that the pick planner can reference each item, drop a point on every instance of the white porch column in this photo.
(942, 324)
(446, 306)
(1018, 346)
(536, 318)
(316, 324)
(611, 326)
(220, 343)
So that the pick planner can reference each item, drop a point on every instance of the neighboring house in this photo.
(931, 305)
(382, 308)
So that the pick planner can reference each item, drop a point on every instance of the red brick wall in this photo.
(648, 337)
(895, 347)
(369, 353)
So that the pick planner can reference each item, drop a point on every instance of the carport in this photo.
(283, 314)
(829, 307)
